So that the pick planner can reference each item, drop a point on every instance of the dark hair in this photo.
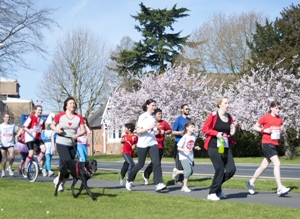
(187, 125)
(274, 104)
(149, 101)
(130, 126)
(66, 103)
(183, 105)
(86, 122)
(35, 108)
(157, 110)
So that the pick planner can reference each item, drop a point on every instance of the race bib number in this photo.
(275, 134)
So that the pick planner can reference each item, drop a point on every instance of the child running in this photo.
(129, 141)
(186, 154)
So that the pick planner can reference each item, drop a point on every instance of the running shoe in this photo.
(50, 173)
(145, 179)
(3, 173)
(185, 189)
(213, 197)
(160, 186)
(11, 173)
(44, 172)
(128, 185)
(175, 172)
(283, 191)
(250, 187)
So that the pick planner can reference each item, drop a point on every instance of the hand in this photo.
(219, 135)
(75, 136)
(162, 131)
(60, 131)
(133, 147)
(197, 148)
(267, 130)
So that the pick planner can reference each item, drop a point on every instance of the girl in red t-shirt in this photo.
(271, 126)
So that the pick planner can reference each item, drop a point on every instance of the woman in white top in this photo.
(146, 130)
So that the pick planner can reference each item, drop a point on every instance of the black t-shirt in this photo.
(220, 126)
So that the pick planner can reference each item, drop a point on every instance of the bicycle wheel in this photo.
(33, 171)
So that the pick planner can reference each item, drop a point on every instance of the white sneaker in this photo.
(50, 173)
(3, 173)
(11, 173)
(213, 197)
(128, 185)
(185, 189)
(160, 186)
(175, 172)
(55, 181)
(145, 179)
(44, 172)
(283, 191)
(250, 187)
(61, 188)
(121, 181)
(222, 195)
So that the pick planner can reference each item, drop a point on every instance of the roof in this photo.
(2, 79)
(15, 100)
(95, 120)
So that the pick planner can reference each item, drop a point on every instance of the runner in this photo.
(163, 129)
(147, 143)
(217, 127)
(271, 127)
(33, 127)
(7, 133)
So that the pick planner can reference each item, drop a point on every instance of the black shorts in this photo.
(269, 150)
(6, 148)
(36, 142)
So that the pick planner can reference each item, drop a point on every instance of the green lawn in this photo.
(21, 199)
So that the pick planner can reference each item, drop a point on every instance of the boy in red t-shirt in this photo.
(129, 141)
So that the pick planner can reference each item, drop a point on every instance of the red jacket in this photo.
(209, 131)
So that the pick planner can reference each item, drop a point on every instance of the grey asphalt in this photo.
(290, 200)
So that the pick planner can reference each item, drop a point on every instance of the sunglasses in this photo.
(187, 109)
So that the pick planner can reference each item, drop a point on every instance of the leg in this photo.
(130, 163)
(3, 162)
(229, 166)
(84, 183)
(11, 155)
(187, 171)
(149, 168)
(264, 164)
(219, 167)
(47, 163)
(80, 152)
(42, 153)
(154, 155)
(142, 152)
(124, 169)
(275, 160)
(179, 177)
(72, 187)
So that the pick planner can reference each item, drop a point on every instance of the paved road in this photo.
(288, 172)
(233, 195)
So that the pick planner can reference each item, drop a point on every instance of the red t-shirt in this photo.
(266, 121)
(163, 125)
(127, 145)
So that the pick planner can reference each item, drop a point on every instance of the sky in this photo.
(111, 20)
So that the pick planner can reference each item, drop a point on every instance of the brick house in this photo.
(102, 141)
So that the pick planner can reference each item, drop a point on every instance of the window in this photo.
(115, 135)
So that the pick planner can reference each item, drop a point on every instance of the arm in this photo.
(56, 129)
(81, 132)
(175, 130)
(208, 127)
(259, 128)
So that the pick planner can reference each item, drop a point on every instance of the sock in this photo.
(41, 155)
(28, 158)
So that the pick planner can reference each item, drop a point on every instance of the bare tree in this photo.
(219, 44)
(79, 69)
(21, 26)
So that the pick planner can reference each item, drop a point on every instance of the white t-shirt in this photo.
(187, 141)
(146, 139)
(7, 132)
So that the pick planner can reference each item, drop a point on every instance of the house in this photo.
(101, 140)
(10, 102)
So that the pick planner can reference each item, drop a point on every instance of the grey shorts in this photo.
(269, 150)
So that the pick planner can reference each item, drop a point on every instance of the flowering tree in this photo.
(252, 94)
(170, 90)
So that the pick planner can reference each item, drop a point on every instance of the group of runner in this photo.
(148, 137)
(218, 128)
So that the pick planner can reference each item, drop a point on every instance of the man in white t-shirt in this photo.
(7, 141)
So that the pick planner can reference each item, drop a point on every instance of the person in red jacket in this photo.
(219, 125)
(271, 126)
(129, 141)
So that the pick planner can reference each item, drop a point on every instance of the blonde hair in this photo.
(219, 101)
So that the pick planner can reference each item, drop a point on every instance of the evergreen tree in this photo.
(278, 40)
(157, 47)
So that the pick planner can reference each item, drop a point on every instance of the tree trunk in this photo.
(289, 152)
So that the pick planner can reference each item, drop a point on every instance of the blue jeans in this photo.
(47, 165)
(82, 152)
